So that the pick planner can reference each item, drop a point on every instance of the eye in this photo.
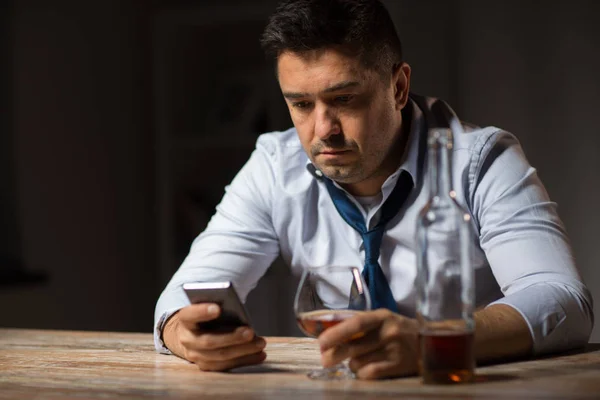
(302, 105)
(344, 99)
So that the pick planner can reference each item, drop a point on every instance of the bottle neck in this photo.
(440, 151)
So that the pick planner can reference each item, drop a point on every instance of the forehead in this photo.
(316, 70)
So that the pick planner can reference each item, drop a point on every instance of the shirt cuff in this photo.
(159, 344)
(557, 318)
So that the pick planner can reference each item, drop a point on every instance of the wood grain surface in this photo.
(37, 364)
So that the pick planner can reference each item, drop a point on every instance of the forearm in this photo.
(501, 333)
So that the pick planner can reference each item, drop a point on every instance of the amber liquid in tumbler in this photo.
(447, 357)
(314, 323)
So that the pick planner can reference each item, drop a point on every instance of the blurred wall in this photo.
(83, 165)
(9, 239)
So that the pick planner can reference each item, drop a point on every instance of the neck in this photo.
(368, 187)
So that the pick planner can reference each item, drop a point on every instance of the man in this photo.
(339, 64)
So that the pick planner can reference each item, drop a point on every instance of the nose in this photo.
(326, 122)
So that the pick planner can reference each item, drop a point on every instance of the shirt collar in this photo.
(410, 158)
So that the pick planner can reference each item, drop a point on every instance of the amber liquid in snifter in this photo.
(446, 356)
(314, 323)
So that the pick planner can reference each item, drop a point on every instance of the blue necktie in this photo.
(379, 288)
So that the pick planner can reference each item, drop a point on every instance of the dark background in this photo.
(122, 120)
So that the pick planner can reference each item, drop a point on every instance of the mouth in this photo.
(334, 157)
(333, 152)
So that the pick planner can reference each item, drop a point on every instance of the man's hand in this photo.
(386, 344)
(211, 351)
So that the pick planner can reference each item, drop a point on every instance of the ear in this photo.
(401, 83)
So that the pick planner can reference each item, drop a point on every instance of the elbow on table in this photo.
(587, 311)
(573, 328)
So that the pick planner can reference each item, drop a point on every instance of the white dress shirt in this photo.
(275, 205)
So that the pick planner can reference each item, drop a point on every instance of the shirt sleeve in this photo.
(238, 245)
(527, 246)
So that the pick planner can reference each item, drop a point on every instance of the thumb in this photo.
(191, 315)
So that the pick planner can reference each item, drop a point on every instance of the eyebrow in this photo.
(334, 88)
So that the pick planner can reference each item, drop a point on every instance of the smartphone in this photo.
(233, 313)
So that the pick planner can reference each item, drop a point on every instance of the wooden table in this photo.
(93, 365)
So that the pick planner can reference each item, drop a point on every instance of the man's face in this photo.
(348, 118)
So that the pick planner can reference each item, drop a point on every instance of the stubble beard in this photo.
(343, 172)
(357, 170)
(347, 174)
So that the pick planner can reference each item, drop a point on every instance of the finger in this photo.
(379, 355)
(191, 315)
(200, 341)
(382, 363)
(383, 369)
(233, 352)
(345, 331)
(354, 348)
(251, 359)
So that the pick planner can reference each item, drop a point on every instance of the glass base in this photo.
(338, 372)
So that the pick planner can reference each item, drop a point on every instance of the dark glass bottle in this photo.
(445, 282)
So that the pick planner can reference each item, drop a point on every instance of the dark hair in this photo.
(363, 28)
